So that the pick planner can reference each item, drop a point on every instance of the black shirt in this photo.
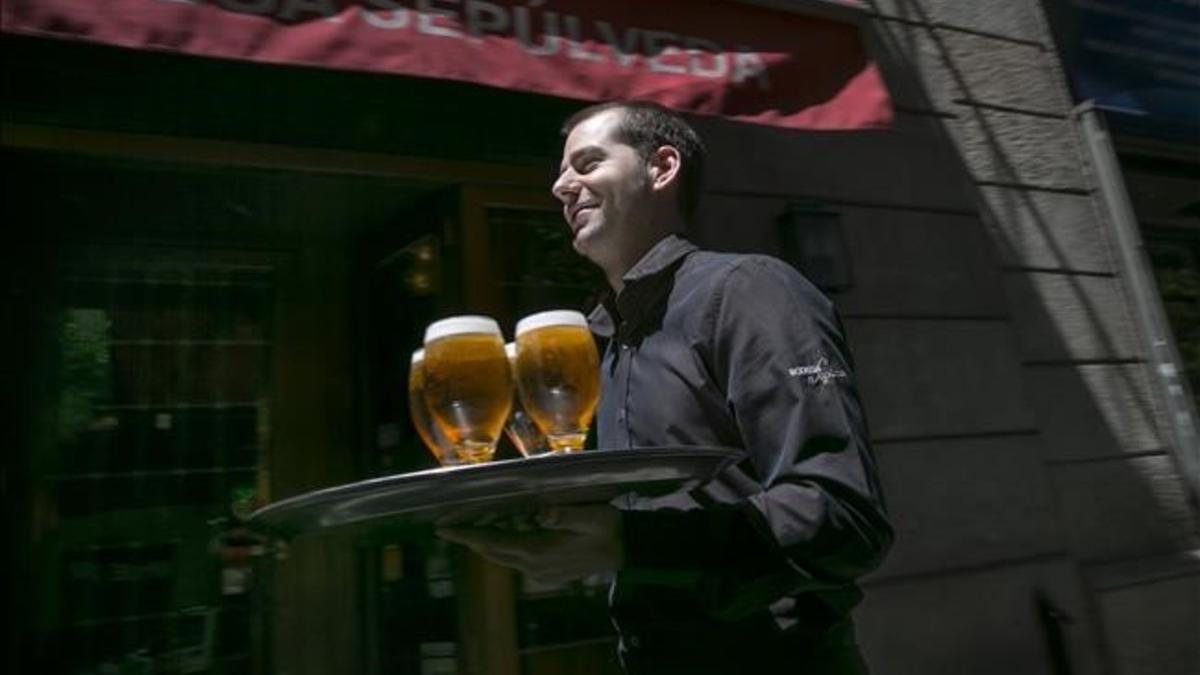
(708, 349)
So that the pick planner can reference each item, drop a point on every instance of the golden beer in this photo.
(558, 376)
(521, 429)
(439, 446)
(468, 384)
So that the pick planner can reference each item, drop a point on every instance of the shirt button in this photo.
(621, 415)
(624, 348)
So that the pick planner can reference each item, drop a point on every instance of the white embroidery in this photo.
(819, 373)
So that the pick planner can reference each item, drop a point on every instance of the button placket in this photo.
(626, 357)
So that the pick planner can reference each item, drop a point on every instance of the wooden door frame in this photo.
(477, 236)
(239, 154)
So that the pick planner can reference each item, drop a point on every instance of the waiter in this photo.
(756, 571)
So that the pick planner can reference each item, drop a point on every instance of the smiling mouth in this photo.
(575, 224)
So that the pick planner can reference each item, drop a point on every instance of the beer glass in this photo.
(521, 429)
(418, 409)
(468, 384)
(558, 376)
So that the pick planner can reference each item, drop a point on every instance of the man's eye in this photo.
(588, 166)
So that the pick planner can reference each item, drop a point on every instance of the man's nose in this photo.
(565, 189)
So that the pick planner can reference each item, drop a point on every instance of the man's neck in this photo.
(664, 220)
(616, 277)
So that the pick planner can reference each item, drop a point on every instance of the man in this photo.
(756, 570)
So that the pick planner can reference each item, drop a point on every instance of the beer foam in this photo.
(510, 350)
(556, 317)
(461, 325)
(418, 356)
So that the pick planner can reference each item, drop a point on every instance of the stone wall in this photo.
(1012, 405)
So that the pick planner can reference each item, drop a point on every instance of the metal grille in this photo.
(162, 421)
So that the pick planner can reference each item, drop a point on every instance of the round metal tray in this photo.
(416, 499)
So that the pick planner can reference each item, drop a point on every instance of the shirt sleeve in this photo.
(810, 515)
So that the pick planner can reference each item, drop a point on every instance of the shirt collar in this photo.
(640, 278)
(661, 256)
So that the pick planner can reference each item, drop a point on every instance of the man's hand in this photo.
(554, 545)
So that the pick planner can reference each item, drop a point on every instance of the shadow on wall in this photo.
(1012, 406)
(1101, 433)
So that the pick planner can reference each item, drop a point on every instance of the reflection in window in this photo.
(160, 431)
(86, 372)
(1176, 262)
(537, 265)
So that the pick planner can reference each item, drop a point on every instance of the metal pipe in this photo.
(1136, 271)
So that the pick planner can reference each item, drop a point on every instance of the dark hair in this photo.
(648, 126)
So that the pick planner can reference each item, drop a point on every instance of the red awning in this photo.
(718, 58)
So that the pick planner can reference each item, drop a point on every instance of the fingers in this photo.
(588, 519)
(492, 545)
(481, 538)
(511, 544)
(549, 517)
(522, 519)
(583, 518)
(524, 552)
(554, 542)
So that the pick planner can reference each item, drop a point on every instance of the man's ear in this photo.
(664, 167)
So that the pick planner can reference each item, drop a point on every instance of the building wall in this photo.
(1042, 526)
(1027, 463)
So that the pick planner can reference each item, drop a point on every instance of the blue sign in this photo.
(1137, 59)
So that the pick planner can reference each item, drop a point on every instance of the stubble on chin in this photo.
(583, 248)
(588, 248)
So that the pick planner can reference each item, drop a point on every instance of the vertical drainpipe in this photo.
(1135, 269)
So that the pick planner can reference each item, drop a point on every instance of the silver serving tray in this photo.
(463, 492)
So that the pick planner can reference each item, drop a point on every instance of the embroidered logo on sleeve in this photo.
(820, 373)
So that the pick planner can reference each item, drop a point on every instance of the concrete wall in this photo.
(1039, 512)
